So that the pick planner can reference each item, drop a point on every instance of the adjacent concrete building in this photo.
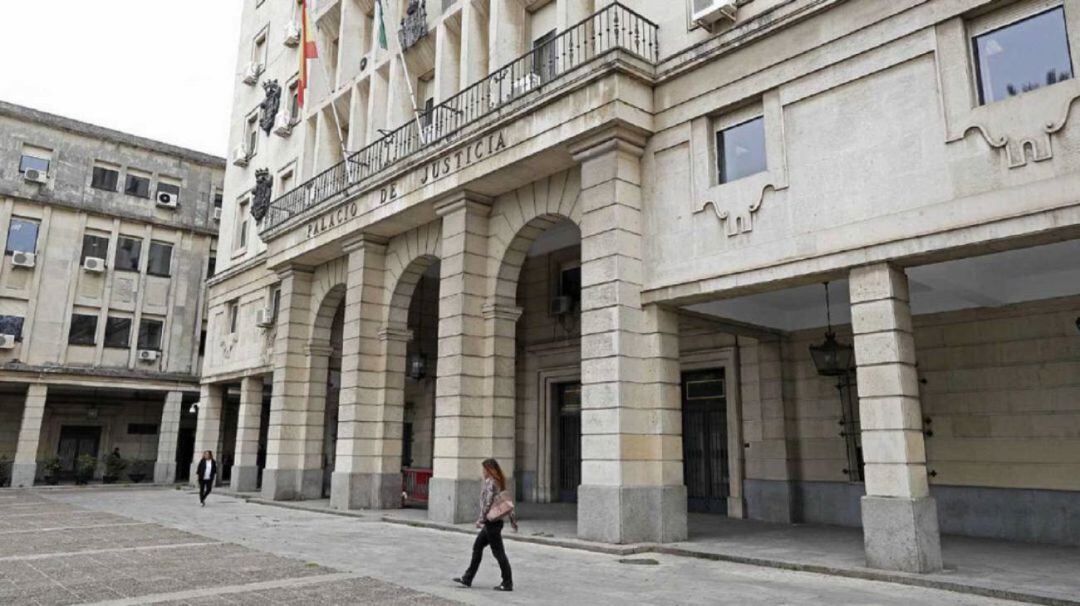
(596, 252)
(108, 239)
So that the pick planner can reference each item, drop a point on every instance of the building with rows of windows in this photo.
(789, 260)
(106, 238)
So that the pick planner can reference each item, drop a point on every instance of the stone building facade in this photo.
(108, 240)
(596, 253)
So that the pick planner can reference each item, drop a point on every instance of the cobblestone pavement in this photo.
(387, 556)
(56, 554)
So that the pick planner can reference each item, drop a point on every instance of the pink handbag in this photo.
(501, 507)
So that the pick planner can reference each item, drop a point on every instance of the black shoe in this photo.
(504, 587)
(463, 582)
(203, 503)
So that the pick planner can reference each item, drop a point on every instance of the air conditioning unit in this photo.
(252, 72)
(94, 264)
(168, 199)
(264, 318)
(519, 87)
(708, 12)
(284, 123)
(292, 33)
(34, 175)
(562, 305)
(148, 355)
(7, 341)
(240, 155)
(22, 259)
(217, 213)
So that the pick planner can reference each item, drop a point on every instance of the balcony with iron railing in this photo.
(613, 28)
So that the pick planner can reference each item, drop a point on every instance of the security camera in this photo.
(194, 408)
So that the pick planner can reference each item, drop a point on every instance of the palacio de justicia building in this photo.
(787, 260)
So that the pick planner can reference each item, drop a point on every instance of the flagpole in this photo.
(381, 41)
(326, 79)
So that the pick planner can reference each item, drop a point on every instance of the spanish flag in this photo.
(308, 50)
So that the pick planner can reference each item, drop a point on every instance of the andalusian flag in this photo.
(379, 21)
(308, 50)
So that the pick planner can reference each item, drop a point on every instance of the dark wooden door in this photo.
(185, 452)
(76, 440)
(568, 403)
(705, 455)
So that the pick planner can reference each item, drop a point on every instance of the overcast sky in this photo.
(161, 69)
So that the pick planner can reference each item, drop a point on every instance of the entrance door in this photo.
(185, 452)
(705, 456)
(76, 440)
(568, 404)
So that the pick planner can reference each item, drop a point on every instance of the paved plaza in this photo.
(136, 546)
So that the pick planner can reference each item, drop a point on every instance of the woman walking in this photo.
(207, 473)
(495, 506)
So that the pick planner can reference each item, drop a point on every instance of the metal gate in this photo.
(568, 402)
(705, 455)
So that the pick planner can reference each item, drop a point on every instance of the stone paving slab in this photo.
(86, 539)
(362, 590)
(34, 521)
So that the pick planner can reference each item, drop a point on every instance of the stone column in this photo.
(466, 432)
(367, 473)
(245, 471)
(294, 436)
(447, 62)
(208, 429)
(631, 420)
(900, 525)
(25, 465)
(168, 433)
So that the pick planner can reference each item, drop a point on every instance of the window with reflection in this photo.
(741, 150)
(1023, 56)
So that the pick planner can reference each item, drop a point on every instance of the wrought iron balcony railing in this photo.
(614, 27)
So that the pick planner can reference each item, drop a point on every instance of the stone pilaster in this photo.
(208, 429)
(900, 526)
(632, 471)
(168, 433)
(295, 433)
(245, 471)
(25, 465)
(466, 431)
(367, 471)
(768, 489)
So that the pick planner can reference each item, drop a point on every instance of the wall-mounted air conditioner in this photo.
(264, 318)
(240, 155)
(7, 341)
(94, 264)
(168, 199)
(708, 12)
(251, 73)
(562, 305)
(148, 355)
(292, 33)
(217, 213)
(23, 259)
(284, 124)
(34, 175)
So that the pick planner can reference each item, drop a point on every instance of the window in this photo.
(258, 48)
(275, 301)
(1023, 56)
(22, 236)
(252, 136)
(211, 266)
(286, 181)
(34, 158)
(570, 283)
(118, 332)
(218, 197)
(150, 334)
(142, 429)
(164, 187)
(233, 311)
(137, 185)
(105, 177)
(160, 261)
(128, 253)
(294, 102)
(240, 241)
(83, 329)
(94, 246)
(741, 150)
(545, 55)
(11, 325)
(202, 343)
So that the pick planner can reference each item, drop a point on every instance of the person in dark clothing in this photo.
(491, 530)
(206, 472)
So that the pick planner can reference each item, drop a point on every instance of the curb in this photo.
(866, 574)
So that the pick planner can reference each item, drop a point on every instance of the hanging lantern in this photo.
(417, 366)
(831, 358)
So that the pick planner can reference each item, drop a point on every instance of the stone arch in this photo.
(517, 220)
(408, 256)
